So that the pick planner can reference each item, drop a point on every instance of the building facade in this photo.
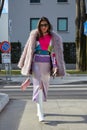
(4, 27)
(23, 16)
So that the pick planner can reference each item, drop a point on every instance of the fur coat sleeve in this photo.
(58, 48)
(25, 61)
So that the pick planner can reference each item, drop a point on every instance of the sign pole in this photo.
(10, 31)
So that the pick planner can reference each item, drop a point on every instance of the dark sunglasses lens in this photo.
(44, 25)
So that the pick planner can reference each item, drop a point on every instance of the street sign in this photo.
(5, 47)
(85, 28)
(6, 58)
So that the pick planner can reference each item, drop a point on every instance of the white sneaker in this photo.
(41, 118)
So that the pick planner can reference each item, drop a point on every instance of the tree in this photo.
(1, 6)
(81, 57)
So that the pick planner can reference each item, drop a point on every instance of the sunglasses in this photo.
(43, 25)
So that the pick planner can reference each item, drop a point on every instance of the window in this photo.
(33, 23)
(62, 0)
(34, 1)
(62, 24)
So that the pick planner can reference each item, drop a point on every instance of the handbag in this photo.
(25, 84)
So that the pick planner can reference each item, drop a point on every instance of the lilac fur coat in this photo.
(25, 61)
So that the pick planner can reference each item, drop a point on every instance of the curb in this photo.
(4, 99)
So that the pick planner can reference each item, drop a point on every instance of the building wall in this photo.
(4, 27)
(20, 12)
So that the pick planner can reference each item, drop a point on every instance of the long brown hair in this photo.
(49, 26)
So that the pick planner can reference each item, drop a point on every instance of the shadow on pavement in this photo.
(77, 82)
(11, 115)
(82, 119)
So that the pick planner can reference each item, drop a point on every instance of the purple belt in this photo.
(39, 58)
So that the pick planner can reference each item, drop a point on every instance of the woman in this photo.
(42, 56)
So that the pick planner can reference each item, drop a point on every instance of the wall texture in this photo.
(4, 27)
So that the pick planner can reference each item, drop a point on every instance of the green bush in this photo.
(69, 52)
(15, 52)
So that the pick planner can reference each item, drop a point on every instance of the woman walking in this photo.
(42, 57)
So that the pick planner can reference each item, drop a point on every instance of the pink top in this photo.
(44, 41)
